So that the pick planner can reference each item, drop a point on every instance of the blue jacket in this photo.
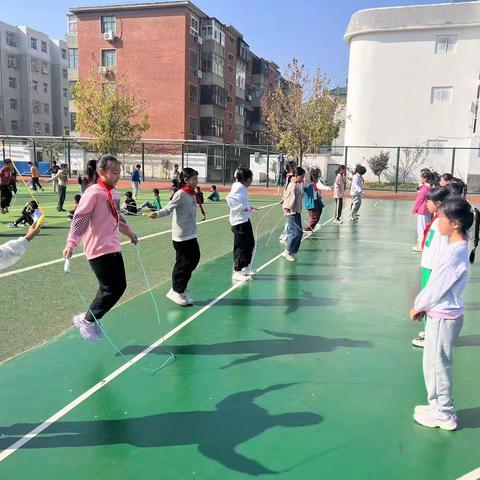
(309, 198)
(135, 176)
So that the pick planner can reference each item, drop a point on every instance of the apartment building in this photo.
(197, 74)
(33, 82)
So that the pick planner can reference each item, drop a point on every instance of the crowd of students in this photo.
(443, 219)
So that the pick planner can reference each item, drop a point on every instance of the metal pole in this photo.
(183, 155)
(397, 171)
(224, 174)
(69, 160)
(345, 156)
(143, 162)
(34, 152)
(3, 149)
(268, 166)
(453, 160)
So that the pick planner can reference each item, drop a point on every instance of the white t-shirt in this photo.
(435, 246)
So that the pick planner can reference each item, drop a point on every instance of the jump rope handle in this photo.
(67, 267)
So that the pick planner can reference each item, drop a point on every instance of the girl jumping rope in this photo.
(97, 221)
(184, 235)
(313, 200)
(442, 301)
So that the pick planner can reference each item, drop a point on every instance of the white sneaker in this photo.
(188, 297)
(337, 222)
(241, 277)
(422, 409)
(427, 419)
(90, 331)
(290, 257)
(248, 271)
(177, 298)
(418, 342)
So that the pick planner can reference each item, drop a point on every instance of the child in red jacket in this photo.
(420, 209)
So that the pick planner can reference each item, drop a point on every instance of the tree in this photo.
(412, 159)
(109, 112)
(379, 163)
(301, 114)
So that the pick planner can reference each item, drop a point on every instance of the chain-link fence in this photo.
(395, 168)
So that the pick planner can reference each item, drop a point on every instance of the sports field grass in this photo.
(306, 372)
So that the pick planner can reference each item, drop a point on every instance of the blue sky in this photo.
(311, 30)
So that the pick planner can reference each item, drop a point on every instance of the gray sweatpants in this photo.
(355, 205)
(440, 336)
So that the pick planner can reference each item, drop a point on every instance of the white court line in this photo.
(60, 260)
(80, 399)
(383, 243)
(474, 475)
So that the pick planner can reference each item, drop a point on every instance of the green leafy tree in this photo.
(302, 113)
(110, 113)
(379, 163)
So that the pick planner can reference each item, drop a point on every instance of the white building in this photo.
(33, 82)
(414, 80)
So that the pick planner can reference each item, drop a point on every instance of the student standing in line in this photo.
(54, 169)
(313, 200)
(6, 174)
(136, 181)
(420, 209)
(35, 177)
(339, 193)
(61, 178)
(356, 192)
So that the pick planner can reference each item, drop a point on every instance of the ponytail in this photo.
(476, 234)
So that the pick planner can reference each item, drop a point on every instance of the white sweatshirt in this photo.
(442, 297)
(237, 200)
(356, 189)
(12, 251)
(435, 246)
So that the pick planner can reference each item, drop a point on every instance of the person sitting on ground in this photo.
(129, 207)
(153, 206)
(30, 214)
(214, 196)
(76, 201)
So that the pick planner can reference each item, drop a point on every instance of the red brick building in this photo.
(191, 69)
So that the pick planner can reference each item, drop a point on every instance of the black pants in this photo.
(36, 183)
(13, 187)
(243, 245)
(110, 273)
(24, 217)
(62, 193)
(6, 196)
(188, 256)
(339, 207)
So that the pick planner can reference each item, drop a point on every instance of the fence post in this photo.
(268, 166)
(69, 160)
(143, 162)
(397, 170)
(345, 157)
(454, 150)
(34, 152)
(224, 173)
(183, 155)
(3, 149)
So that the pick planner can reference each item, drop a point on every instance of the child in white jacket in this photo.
(12, 251)
(356, 192)
(240, 213)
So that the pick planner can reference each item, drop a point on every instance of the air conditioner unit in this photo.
(102, 70)
(193, 32)
(199, 40)
(199, 74)
(109, 36)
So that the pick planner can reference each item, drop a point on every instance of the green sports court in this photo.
(307, 372)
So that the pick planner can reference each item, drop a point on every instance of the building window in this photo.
(213, 95)
(35, 64)
(44, 47)
(35, 85)
(36, 106)
(46, 108)
(33, 43)
(211, 127)
(65, 73)
(73, 58)
(109, 58)
(14, 126)
(194, 25)
(12, 60)
(446, 44)
(441, 95)
(193, 60)
(436, 148)
(12, 39)
(231, 39)
(211, 62)
(47, 128)
(45, 88)
(65, 93)
(72, 25)
(65, 111)
(108, 24)
(193, 127)
(193, 94)
(64, 54)
(12, 82)
(213, 30)
(13, 103)
(37, 128)
(45, 68)
(230, 57)
(240, 106)
(73, 121)
(218, 158)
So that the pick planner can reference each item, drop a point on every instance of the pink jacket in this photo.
(94, 223)
(420, 206)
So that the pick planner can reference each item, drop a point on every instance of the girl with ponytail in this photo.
(441, 300)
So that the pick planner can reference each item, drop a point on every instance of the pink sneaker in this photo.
(90, 331)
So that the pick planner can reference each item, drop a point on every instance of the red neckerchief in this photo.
(314, 185)
(108, 189)
(191, 191)
(427, 229)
